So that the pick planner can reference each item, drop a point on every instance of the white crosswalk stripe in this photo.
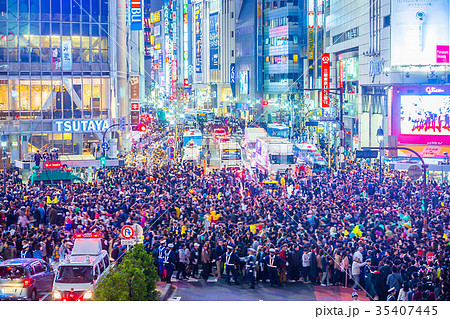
(192, 280)
(212, 280)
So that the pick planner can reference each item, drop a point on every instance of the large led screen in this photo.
(425, 115)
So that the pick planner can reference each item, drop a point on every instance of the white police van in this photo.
(79, 273)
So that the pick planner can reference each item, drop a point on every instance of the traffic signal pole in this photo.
(339, 91)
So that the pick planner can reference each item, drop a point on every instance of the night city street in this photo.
(225, 150)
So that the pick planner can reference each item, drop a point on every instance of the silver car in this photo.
(25, 278)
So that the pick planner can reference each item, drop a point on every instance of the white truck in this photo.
(229, 154)
(249, 143)
(191, 153)
(274, 154)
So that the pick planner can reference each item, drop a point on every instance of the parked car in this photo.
(25, 278)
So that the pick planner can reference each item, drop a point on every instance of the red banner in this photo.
(325, 79)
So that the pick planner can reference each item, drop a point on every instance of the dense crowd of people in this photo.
(339, 229)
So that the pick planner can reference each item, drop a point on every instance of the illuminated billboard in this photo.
(420, 32)
(243, 82)
(421, 115)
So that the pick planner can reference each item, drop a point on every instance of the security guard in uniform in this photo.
(169, 262)
(250, 268)
(231, 260)
(161, 250)
(273, 262)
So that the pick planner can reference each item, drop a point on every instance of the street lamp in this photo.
(4, 143)
(380, 135)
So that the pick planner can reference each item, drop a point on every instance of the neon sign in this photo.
(81, 125)
(432, 89)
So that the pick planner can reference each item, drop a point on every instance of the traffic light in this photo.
(103, 160)
(424, 205)
(264, 102)
(122, 123)
(142, 128)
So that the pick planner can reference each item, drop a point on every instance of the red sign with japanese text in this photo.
(325, 79)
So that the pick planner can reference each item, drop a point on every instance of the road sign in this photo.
(128, 232)
(105, 145)
(171, 140)
(366, 154)
(171, 149)
(139, 233)
(128, 242)
(341, 149)
(414, 172)
(341, 157)
(312, 123)
(341, 134)
(326, 119)
(171, 156)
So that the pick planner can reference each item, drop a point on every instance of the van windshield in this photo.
(11, 272)
(75, 274)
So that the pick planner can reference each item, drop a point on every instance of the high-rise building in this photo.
(65, 67)
(392, 59)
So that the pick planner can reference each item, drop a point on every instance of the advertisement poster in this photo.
(243, 82)
(198, 37)
(67, 55)
(214, 41)
(419, 32)
(56, 60)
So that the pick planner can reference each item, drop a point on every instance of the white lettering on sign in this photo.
(432, 89)
(81, 125)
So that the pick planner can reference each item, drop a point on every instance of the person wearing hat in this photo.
(231, 261)
(169, 262)
(273, 262)
(391, 296)
(26, 251)
(355, 296)
(161, 251)
(250, 267)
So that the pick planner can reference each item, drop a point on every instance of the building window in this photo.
(232, 15)
(282, 4)
(232, 52)
(232, 34)
(275, 5)
(386, 21)
(295, 58)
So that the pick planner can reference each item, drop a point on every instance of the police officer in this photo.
(161, 251)
(391, 296)
(273, 262)
(250, 268)
(231, 261)
(169, 261)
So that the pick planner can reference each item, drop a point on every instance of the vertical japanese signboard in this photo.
(198, 37)
(325, 79)
(214, 41)
(136, 15)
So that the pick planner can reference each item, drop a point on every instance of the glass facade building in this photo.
(54, 65)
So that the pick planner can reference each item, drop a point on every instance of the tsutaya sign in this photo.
(80, 126)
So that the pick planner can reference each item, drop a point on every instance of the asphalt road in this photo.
(199, 290)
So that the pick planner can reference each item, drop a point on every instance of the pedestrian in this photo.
(250, 268)
(273, 262)
(231, 260)
(169, 262)
(391, 296)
